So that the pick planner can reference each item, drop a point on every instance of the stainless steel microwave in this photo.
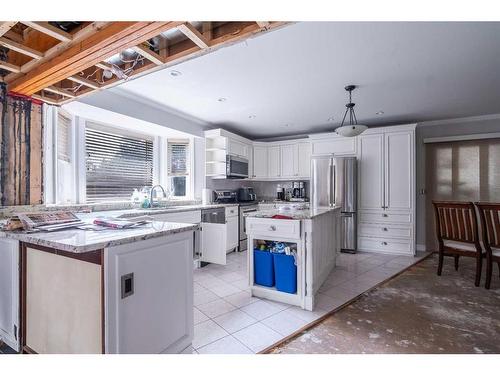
(236, 167)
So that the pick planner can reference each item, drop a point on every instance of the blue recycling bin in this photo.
(263, 268)
(285, 272)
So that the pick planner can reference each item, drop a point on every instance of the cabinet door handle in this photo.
(385, 215)
(272, 228)
(384, 243)
(384, 229)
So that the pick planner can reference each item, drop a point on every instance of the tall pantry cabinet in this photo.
(386, 190)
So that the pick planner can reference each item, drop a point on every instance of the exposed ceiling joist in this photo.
(6, 26)
(84, 81)
(47, 28)
(118, 36)
(57, 90)
(9, 67)
(58, 48)
(45, 99)
(190, 31)
(103, 65)
(148, 54)
(14, 46)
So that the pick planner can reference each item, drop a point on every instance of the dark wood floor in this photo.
(416, 312)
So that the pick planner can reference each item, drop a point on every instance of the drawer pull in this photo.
(272, 228)
(384, 215)
(385, 229)
(384, 243)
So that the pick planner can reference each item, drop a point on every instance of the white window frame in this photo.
(166, 181)
(79, 180)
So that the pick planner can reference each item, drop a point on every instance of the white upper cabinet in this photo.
(328, 144)
(238, 148)
(304, 162)
(371, 171)
(398, 171)
(259, 161)
(274, 161)
(289, 160)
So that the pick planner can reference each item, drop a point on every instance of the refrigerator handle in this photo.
(333, 184)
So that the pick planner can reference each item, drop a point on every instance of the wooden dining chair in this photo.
(457, 234)
(489, 214)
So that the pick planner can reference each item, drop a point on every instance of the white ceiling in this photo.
(296, 75)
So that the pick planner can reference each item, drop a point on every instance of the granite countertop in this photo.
(82, 241)
(295, 214)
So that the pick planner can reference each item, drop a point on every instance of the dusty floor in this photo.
(416, 312)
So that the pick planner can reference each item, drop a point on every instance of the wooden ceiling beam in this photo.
(48, 29)
(148, 54)
(6, 26)
(10, 67)
(14, 46)
(57, 90)
(190, 31)
(85, 82)
(263, 24)
(112, 39)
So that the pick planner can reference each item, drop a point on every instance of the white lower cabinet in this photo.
(213, 243)
(149, 295)
(9, 292)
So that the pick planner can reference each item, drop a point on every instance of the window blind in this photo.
(460, 171)
(63, 137)
(178, 157)
(117, 163)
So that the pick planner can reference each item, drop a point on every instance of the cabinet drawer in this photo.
(231, 211)
(385, 217)
(384, 231)
(273, 227)
(399, 246)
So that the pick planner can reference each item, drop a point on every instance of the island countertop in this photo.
(82, 241)
(294, 214)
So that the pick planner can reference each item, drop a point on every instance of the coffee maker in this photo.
(298, 191)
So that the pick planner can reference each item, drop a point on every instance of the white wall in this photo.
(122, 103)
(444, 128)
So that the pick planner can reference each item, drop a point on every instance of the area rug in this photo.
(415, 312)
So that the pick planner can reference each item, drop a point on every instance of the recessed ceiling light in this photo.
(330, 119)
(252, 116)
(221, 100)
(379, 113)
(175, 73)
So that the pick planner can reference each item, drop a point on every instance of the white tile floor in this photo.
(228, 320)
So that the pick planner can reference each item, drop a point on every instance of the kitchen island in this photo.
(107, 291)
(315, 236)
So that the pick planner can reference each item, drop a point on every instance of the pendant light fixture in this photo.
(353, 129)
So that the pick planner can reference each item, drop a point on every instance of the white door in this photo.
(9, 292)
(304, 162)
(213, 243)
(371, 171)
(232, 227)
(260, 161)
(398, 170)
(274, 161)
(289, 160)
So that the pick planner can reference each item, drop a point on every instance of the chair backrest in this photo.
(489, 214)
(456, 221)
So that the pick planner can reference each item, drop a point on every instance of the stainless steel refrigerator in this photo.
(334, 183)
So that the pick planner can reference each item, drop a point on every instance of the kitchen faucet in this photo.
(151, 194)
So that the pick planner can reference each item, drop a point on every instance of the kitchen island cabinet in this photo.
(314, 233)
(111, 291)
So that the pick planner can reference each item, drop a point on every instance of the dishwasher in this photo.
(213, 236)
